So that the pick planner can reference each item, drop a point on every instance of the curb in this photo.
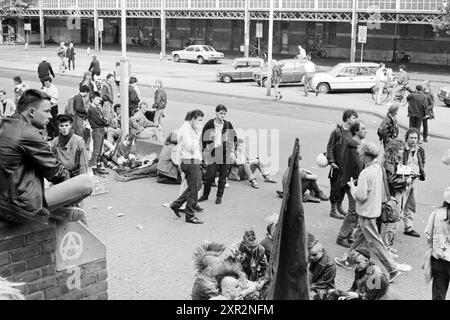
(373, 113)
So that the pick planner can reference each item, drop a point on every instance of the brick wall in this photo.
(28, 254)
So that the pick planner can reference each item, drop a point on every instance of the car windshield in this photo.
(334, 70)
(208, 48)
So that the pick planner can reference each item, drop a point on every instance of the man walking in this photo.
(352, 166)
(26, 159)
(190, 159)
(98, 123)
(218, 140)
(310, 71)
(335, 159)
(50, 89)
(380, 80)
(45, 70)
(369, 196)
(71, 55)
(417, 107)
(413, 157)
(94, 67)
(277, 77)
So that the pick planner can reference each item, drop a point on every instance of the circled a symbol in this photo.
(71, 246)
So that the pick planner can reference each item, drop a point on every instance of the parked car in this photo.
(356, 76)
(444, 95)
(293, 72)
(241, 69)
(199, 53)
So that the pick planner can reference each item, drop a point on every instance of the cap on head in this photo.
(60, 118)
(363, 251)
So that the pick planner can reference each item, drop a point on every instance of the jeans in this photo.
(367, 236)
(351, 218)
(98, 135)
(415, 122)
(388, 230)
(192, 172)
(409, 203)
(425, 128)
(440, 270)
(379, 92)
(52, 126)
(308, 83)
(211, 176)
(73, 62)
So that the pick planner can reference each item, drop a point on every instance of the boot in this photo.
(340, 210)
(334, 213)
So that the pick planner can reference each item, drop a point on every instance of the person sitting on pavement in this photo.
(232, 285)
(26, 159)
(322, 271)
(388, 129)
(20, 87)
(267, 242)
(168, 168)
(7, 106)
(133, 95)
(244, 168)
(142, 127)
(308, 181)
(125, 153)
(206, 260)
(69, 148)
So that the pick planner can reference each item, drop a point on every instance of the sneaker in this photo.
(254, 184)
(269, 180)
(411, 233)
(335, 215)
(227, 185)
(344, 263)
(394, 275)
(343, 242)
(308, 198)
(193, 220)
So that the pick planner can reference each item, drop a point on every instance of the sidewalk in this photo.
(185, 77)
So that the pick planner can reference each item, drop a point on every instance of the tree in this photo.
(10, 7)
(443, 21)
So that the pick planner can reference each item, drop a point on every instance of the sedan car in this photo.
(241, 69)
(200, 53)
(293, 72)
(444, 95)
(357, 76)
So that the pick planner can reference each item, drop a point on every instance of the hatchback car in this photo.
(444, 95)
(199, 53)
(241, 69)
(293, 72)
(356, 76)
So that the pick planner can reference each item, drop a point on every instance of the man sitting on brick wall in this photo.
(26, 159)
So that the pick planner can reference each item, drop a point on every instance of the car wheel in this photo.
(323, 87)
(226, 79)
(214, 61)
(176, 58)
(200, 60)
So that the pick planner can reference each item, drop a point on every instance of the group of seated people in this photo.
(241, 271)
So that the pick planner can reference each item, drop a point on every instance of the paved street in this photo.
(155, 262)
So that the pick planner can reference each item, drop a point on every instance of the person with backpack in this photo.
(277, 75)
(388, 129)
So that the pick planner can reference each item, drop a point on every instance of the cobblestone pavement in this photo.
(155, 261)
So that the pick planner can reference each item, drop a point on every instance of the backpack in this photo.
(69, 110)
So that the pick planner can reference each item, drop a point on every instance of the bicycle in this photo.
(318, 52)
(388, 93)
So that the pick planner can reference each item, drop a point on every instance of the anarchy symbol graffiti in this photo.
(71, 246)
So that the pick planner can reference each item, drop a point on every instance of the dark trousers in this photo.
(211, 171)
(425, 128)
(98, 135)
(73, 62)
(310, 185)
(95, 73)
(351, 218)
(52, 126)
(335, 188)
(415, 122)
(193, 176)
(440, 270)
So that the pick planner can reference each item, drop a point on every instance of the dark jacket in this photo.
(420, 157)
(417, 105)
(395, 182)
(160, 99)
(133, 98)
(107, 93)
(229, 140)
(80, 110)
(45, 69)
(25, 160)
(335, 145)
(388, 130)
(351, 164)
(96, 118)
(70, 53)
(322, 273)
(94, 67)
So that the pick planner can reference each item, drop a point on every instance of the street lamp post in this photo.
(353, 34)
(269, 57)
(124, 80)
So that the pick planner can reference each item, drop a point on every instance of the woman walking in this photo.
(437, 233)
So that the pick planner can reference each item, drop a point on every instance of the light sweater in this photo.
(369, 194)
(189, 142)
(437, 233)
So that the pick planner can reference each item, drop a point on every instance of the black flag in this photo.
(289, 279)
